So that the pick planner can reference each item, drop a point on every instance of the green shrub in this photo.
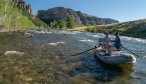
(17, 18)
(70, 22)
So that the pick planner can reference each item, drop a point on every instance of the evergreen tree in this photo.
(53, 25)
(70, 22)
(58, 24)
(61, 24)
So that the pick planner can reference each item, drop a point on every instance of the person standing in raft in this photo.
(105, 44)
(107, 39)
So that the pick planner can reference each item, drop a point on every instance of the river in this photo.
(45, 58)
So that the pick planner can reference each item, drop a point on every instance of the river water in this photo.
(45, 58)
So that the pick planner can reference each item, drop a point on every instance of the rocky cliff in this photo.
(61, 13)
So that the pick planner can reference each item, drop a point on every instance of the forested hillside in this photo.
(16, 14)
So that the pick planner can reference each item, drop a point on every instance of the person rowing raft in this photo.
(116, 44)
(105, 43)
(117, 41)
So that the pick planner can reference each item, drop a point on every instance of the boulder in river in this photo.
(13, 52)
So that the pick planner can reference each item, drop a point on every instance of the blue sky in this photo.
(122, 10)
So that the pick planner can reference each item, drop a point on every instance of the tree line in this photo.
(69, 22)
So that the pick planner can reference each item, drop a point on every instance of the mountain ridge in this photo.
(59, 13)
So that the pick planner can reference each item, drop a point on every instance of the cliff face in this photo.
(23, 5)
(61, 13)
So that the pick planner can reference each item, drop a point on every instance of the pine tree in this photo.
(70, 22)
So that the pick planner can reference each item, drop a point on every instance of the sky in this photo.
(121, 10)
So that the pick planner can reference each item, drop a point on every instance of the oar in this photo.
(130, 51)
(84, 51)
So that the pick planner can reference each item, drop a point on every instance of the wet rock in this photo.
(13, 52)
(28, 34)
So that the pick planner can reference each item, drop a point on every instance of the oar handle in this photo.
(130, 51)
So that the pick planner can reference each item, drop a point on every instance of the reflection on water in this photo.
(46, 58)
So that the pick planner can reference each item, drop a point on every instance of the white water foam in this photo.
(144, 57)
(56, 43)
(13, 52)
(66, 32)
(139, 40)
(41, 31)
(86, 40)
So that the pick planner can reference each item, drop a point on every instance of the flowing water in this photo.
(45, 58)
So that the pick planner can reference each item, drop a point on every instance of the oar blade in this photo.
(130, 51)
(84, 51)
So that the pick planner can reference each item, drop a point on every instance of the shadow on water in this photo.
(99, 71)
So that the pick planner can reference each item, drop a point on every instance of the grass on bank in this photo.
(14, 18)
(83, 29)
(124, 31)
